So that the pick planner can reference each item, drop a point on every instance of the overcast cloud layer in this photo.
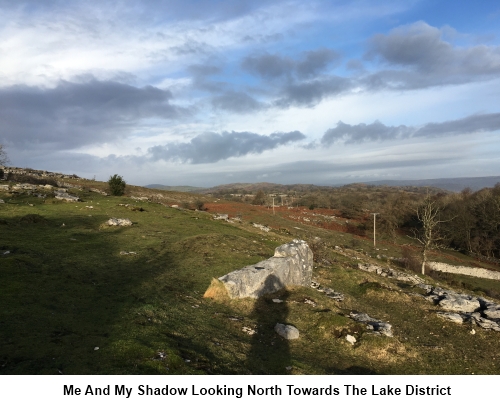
(202, 93)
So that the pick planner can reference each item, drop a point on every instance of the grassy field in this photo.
(71, 303)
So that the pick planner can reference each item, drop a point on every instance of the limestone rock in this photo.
(390, 273)
(451, 316)
(119, 222)
(63, 195)
(291, 265)
(351, 339)
(492, 312)
(379, 327)
(459, 303)
(287, 331)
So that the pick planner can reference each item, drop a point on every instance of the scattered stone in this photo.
(309, 302)
(89, 207)
(63, 195)
(287, 331)
(249, 331)
(314, 284)
(390, 273)
(291, 265)
(330, 293)
(379, 327)
(96, 348)
(2, 201)
(262, 227)
(222, 217)
(277, 301)
(127, 253)
(6, 252)
(351, 339)
(119, 222)
(63, 225)
(472, 332)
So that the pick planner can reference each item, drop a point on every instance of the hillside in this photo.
(81, 297)
(451, 184)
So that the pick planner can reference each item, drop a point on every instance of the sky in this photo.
(208, 92)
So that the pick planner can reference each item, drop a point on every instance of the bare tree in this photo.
(429, 237)
(3, 156)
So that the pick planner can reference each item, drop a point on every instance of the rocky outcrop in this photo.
(63, 195)
(461, 308)
(291, 264)
(390, 273)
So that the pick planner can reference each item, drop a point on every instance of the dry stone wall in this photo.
(468, 271)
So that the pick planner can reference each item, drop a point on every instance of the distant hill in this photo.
(452, 184)
(183, 189)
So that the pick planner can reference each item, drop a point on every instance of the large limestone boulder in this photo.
(291, 264)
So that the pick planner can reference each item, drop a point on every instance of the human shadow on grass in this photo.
(269, 352)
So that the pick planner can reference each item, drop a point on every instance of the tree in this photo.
(429, 216)
(260, 198)
(116, 185)
(3, 156)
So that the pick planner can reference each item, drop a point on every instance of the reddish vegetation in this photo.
(320, 217)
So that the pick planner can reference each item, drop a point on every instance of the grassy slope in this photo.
(65, 290)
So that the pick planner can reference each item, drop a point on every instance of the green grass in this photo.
(65, 290)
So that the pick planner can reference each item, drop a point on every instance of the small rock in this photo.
(249, 331)
(472, 332)
(351, 339)
(287, 331)
(277, 300)
(119, 222)
(96, 348)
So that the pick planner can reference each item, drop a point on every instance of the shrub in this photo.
(199, 205)
(116, 185)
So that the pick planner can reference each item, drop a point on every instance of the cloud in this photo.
(468, 125)
(75, 114)
(426, 59)
(309, 93)
(212, 147)
(272, 66)
(268, 66)
(237, 101)
(377, 131)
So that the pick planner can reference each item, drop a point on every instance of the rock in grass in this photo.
(291, 265)
(119, 222)
(459, 303)
(351, 339)
(287, 331)
(451, 316)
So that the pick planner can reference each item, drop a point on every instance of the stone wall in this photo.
(468, 271)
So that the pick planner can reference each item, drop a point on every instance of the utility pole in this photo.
(374, 237)
(273, 205)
